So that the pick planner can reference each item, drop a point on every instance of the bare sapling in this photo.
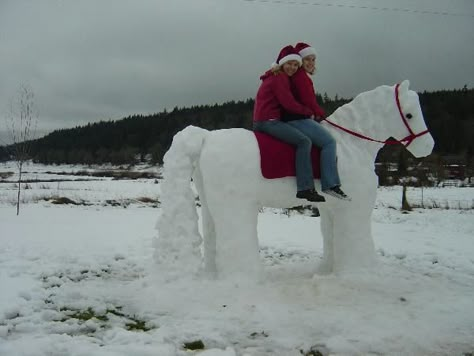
(22, 121)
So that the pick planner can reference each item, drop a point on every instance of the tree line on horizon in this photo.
(449, 115)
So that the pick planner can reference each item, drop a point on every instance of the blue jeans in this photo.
(303, 134)
(321, 138)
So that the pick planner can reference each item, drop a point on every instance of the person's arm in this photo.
(319, 113)
(281, 90)
(304, 91)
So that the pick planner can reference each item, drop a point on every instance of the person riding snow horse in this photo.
(280, 115)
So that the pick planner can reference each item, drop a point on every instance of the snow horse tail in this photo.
(177, 246)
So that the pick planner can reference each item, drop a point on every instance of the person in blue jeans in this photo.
(303, 90)
(320, 137)
(273, 97)
(297, 127)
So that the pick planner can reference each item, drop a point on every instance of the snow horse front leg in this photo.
(209, 241)
(327, 263)
(353, 246)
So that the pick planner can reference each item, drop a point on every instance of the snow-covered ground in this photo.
(81, 280)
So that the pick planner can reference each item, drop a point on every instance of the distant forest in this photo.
(449, 115)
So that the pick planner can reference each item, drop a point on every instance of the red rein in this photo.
(404, 141)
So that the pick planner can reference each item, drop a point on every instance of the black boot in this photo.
(337, 193)
(311, 195)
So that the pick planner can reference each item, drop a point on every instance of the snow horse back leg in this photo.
(208, 229)
(237, 250)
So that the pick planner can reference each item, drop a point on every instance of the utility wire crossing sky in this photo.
(88, 61)
(429, 12)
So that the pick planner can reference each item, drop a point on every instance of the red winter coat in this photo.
(303, 90)
(274, 96)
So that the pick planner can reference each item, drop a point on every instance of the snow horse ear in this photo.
(404, 85)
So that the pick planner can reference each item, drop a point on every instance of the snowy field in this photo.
(79, 279)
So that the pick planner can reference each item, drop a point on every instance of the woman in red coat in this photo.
(275, 97)
(303, 90)
(302, 83)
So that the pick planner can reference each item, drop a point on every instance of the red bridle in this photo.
(404, 141)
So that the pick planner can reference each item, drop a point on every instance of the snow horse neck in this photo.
(225, 168)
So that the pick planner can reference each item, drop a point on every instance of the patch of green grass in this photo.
(194, 345)
(88, 314)
(116, 312)
(137, 325)
(88, 320)
(256, 335)
(81, 275)
(132, 323)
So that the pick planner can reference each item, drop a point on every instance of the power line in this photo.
(394, 9)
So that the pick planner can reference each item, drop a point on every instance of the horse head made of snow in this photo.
(225, 167)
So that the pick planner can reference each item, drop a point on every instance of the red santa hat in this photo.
(304, 49)
(287, 54)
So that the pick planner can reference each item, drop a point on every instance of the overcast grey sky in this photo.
(106, 59)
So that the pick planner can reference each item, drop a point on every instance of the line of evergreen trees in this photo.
(449, 115)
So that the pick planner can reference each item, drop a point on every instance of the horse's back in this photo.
(229, 156)
(230, 167)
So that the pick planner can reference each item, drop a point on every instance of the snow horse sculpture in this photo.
(225, 167)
